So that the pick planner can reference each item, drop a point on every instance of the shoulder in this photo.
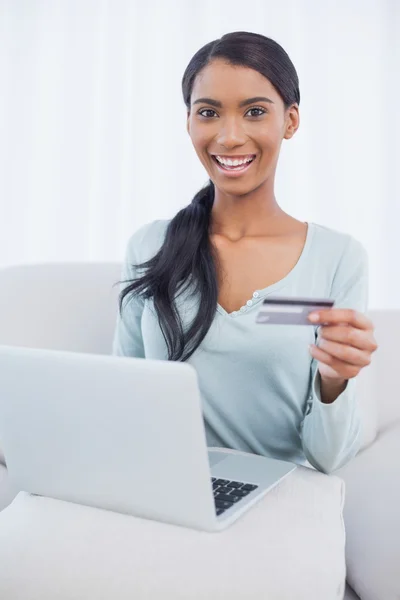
(338, 248)
(146, 241)
(342, 262)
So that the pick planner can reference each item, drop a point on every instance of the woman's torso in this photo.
(255, 379)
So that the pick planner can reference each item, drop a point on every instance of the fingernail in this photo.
(314, 317)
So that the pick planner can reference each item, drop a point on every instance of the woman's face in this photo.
(237, 115)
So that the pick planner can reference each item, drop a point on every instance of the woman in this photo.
(196, 282)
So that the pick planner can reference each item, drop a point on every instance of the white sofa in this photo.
(73, 307)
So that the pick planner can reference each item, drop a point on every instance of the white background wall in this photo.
(92, 123)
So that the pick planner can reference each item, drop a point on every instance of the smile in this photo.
(233, 165)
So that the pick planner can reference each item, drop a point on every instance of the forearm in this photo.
(330, 390)
(331, 431)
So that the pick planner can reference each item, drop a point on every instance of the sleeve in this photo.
(128, 340)
(331, 433)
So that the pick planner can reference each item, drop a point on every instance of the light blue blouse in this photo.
(259, 384)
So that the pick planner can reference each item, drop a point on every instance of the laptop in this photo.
(124, 434)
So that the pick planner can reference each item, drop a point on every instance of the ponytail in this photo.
(185, 257)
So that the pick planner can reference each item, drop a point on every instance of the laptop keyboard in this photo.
(227, 493)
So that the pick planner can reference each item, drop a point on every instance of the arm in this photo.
(331, 430)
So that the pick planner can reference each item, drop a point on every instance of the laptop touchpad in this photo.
(216, 457)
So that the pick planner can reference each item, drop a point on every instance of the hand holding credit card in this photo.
(290, 311)
(346, 340)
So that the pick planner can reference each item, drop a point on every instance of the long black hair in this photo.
(187, 256)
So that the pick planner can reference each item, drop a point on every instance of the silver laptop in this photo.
(124, 434)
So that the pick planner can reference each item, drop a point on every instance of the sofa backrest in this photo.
(380, 379)
(65, 306)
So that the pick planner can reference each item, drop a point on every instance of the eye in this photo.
(261, 111)
(207, 110)
(255, 111)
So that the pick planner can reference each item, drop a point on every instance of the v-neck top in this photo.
(274, 287)
(259, 385)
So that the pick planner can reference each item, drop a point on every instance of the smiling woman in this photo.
(242, 94)
(194, 283)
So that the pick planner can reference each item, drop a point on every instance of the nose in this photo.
(230, 134)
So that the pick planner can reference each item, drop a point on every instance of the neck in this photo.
(254, 214)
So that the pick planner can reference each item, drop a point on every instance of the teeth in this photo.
(233, 163)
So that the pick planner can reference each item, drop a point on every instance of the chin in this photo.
(237, 189)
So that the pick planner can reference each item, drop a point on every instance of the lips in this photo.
(229, 168)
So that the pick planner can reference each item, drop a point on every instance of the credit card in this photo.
(290, 311)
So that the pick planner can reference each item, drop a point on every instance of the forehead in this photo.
(231, 83)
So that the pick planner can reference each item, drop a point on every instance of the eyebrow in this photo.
(218, 104)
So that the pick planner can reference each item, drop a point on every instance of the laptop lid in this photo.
(114, 432)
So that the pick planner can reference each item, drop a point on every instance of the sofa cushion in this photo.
(289, 545)
(372, 518)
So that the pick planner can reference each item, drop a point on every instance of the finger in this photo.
(345, 353)
(357, 338)
(334, 316)
(345, 370)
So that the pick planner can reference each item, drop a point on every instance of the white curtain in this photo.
(92, 123)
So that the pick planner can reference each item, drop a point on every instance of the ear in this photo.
(188, 122)
(292, 121)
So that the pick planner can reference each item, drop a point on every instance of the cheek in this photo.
(200, 138)
(267, 138)
(271, 145)
(200, 143)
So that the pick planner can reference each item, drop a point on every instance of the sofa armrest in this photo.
(372, 518)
